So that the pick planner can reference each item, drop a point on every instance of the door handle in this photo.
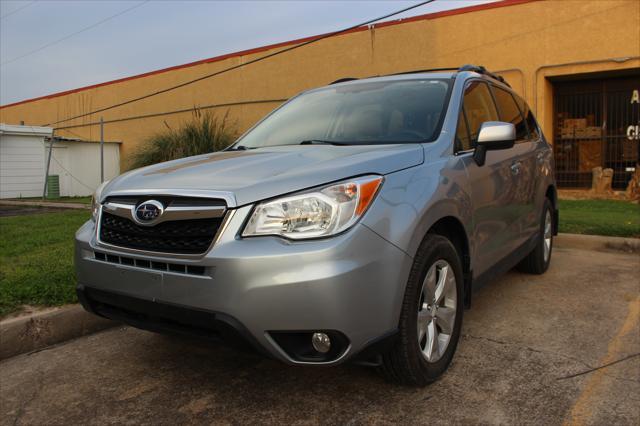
(515, 167)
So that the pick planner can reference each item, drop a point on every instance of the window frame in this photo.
(535, 120)
(463, 114)
(515, 101)
(461, 109)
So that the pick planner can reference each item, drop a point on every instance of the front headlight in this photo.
(319, 213)
(95, 201)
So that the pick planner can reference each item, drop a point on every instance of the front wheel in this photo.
(431, 316)
(537, 262)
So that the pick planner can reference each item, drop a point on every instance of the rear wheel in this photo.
(431, 316)
(537, 262)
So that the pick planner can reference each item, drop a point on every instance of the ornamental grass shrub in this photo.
(202, 134)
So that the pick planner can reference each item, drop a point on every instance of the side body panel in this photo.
(528, 182)
(544, 171)
(493, 192)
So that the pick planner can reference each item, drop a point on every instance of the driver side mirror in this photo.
(494, 135)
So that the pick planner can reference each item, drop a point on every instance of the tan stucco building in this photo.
(577, 62)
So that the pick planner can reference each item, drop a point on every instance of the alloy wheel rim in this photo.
(437, 310)
(547, 236)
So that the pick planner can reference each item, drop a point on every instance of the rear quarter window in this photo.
(532, 125)
(510, 112)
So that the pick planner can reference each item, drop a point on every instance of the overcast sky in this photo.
(48, 46)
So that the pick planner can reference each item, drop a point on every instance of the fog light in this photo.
(321, 342)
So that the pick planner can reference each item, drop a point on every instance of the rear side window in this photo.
(534, 134)
(478, 107)
(510, 113)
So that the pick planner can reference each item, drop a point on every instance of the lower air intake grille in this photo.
(193, 236)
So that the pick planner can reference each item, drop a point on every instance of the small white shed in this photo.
(23, 161)
(77, 162)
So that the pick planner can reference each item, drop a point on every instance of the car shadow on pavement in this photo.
(235, 381)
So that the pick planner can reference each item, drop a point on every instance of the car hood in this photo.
(257, 174)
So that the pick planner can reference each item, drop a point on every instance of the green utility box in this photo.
(53, 186)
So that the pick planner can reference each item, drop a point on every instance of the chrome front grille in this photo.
(186, 225)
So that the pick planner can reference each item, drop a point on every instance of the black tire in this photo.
(405, 363)
(535, 262)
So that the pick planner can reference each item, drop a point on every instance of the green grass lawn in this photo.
(36, 259)
(600, 217)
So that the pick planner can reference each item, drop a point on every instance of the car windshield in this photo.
(374, 112)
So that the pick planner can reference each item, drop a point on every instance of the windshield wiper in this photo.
(321, 142)
(239, 148)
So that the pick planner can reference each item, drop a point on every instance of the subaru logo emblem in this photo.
(147, 212)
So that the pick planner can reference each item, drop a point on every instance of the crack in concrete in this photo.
(529, 348)
(590, 368)
(21, 409)
(358, 414)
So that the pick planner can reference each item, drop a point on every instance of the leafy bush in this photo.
(204, 133)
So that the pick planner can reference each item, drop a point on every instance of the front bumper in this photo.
(254, 288)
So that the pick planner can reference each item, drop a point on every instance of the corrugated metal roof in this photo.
(14, 129)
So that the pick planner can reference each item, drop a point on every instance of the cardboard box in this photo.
(588, 133)
(590, 155)
(567, 132)
(576, 123)
(580, 133)
(630, 150)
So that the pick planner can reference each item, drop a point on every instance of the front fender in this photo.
(412, 200)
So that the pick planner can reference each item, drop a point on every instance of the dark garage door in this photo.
(596, 124)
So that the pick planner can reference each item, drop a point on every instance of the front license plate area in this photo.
(121, 279)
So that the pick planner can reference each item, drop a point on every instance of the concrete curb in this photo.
(25, 334)
(597, 243)
(78, 206)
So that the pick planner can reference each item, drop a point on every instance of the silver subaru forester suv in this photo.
(351, 223)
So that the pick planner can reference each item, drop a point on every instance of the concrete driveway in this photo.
(560, 348)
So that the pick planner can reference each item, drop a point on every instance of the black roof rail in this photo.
(426, 70)
(473, 68)
(342, 80)
(482, 70)
(345, 79)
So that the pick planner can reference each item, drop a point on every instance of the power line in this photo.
(18, 9)
(175, 111)
(253, 61)
(102, 21)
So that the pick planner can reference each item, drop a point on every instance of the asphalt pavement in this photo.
(562, 348)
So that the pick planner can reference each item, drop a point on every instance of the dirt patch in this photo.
(586, 194)
(28, 310)
(6, 211)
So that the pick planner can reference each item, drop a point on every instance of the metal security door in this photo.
(596, 125)
(622, 122)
